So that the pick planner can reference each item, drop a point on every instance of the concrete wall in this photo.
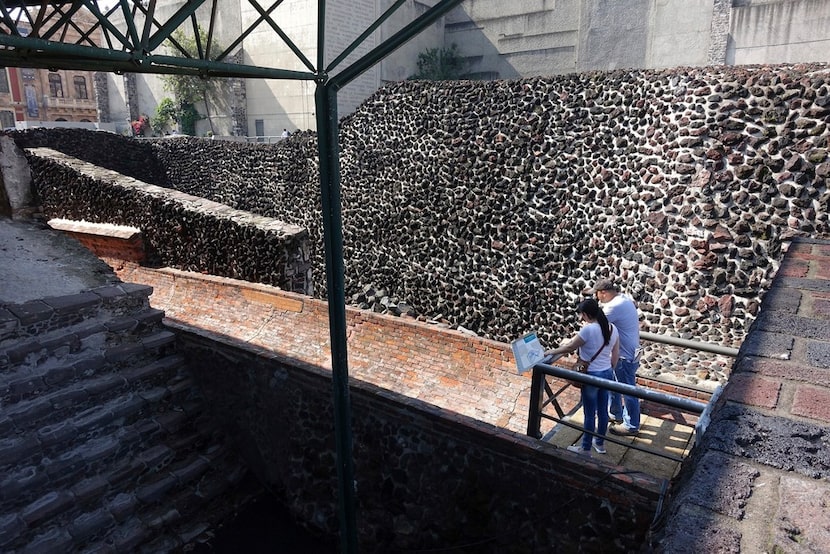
(500, 40)
(543, 37)
(765, 31)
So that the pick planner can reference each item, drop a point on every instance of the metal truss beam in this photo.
(131, 37)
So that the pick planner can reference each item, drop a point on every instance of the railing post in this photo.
(534, 413)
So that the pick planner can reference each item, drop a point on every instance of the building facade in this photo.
(497, 39)
(32, 97)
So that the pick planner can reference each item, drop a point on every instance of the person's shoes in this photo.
(622, 430)
(600, 448)
(614, 419)
(578, 449)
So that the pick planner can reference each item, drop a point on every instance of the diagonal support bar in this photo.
(393, 43)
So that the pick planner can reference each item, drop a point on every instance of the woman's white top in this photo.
(592, 335)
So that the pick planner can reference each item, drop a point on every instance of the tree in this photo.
(440, 64)
(190, 89)
(166, 115)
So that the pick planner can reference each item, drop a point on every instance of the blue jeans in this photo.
(629, 413)
(595, 419)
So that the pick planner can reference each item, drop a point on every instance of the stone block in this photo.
(693, 531)
(156, 457)
(128, 470)
(104, 383)
(123, 352)
(817, 353)
(193, 470)
(768, 345)
(29, 412)
(60, 374)
(72, 303)
(137, 290)
(56, 433)
(100, 448)
(54, 541)
(122, 506)
(68, 467)
(159, 340)
(128, 406)
(90, 489)
(803, 515)
(69, 397)
(130, 535)
(15, 450)
(21, 481)
(90, 524)
(31, 312)
(11, 527)
(47, 506)
(155, 491)
(8, 324)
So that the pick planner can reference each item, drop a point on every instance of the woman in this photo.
(599, 340)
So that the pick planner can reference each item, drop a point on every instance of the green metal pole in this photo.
(327, 136)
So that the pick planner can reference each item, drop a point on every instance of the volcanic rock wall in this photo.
(492, 205)
(134, 158)
(179, 229)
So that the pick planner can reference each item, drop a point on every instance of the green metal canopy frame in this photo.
(129, 37)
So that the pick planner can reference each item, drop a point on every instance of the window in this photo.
(80, 87)
(259, 124)
(4, 80)
(6, 119)
(55, 85)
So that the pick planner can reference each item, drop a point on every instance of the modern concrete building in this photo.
(499, 40)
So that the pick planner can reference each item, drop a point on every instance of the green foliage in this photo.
(186, 89)
(440, 64)
(188, 116)
(167, 114)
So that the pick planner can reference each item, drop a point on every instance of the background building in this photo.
(497, 39)
(43, 98)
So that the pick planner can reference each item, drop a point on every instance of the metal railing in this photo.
(542, 395)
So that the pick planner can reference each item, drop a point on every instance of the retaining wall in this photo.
(425, 477)
(490, 206)
(177, 228)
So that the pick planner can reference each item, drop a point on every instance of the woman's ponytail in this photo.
(590, 307)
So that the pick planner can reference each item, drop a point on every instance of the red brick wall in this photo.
(466, 374)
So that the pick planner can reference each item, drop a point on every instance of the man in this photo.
(621, 311)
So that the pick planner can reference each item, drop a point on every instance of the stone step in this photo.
(169, 492)
(60, 349)
(91, 401)
(41, 318)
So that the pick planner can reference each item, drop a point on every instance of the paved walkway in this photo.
(39, 262)
(658, 433)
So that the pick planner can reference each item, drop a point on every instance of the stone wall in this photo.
(490, 206)
(179, 230)
(425, 477)
(130, 157)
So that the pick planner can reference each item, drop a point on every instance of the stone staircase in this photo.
(105, 441)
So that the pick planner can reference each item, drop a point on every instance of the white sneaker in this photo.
(578, 449)
(600, 448)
